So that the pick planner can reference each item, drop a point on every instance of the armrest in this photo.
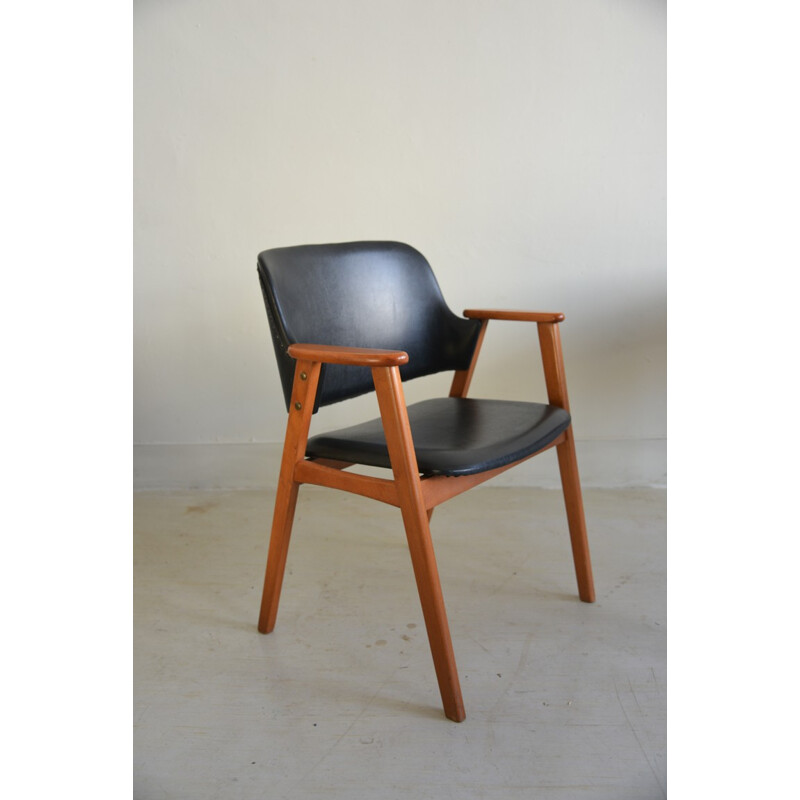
(518, 316)
(548, 336)
(353, 356)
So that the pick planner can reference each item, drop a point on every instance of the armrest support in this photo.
(549, 342)
(517, 316)
(353, 356)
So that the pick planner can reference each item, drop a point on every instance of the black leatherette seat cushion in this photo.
(452, 435)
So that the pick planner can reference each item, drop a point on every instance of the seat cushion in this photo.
(452, 435)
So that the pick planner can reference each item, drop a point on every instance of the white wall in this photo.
(519, 144)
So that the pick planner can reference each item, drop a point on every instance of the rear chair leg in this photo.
(285, 504)
(301, 408)
(573, 500)
(553, 362)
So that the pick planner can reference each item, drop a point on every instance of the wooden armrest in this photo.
(518, 316)
(354, 356)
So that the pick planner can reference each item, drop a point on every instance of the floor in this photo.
(564, 699)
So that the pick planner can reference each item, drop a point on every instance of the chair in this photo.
(347, 319)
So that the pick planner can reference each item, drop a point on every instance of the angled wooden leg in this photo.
(415, 517)
(556, 381)
(573, 499)
(429, 587)
(283, 516)
(294, 448)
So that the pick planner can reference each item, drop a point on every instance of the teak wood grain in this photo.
(514, 316)
(300, 409)
(412, 506)
(354, 356)
(556, 382)
(319, 474)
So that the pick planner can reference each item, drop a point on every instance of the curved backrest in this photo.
(360, 294)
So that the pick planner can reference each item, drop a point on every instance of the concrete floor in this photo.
(564, 700)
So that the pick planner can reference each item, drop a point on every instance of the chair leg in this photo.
(301, 408)
(431, 599)
(415, 518)
(283, 516)
(573, 500)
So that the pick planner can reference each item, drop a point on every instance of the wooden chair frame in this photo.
(416, 496)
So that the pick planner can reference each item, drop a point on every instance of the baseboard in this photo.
(602, 463)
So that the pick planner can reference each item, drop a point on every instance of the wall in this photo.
(519, 144)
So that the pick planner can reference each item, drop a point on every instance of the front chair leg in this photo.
(415, 518)
(431, 599)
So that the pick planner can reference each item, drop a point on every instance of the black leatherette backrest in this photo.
(360, 294)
